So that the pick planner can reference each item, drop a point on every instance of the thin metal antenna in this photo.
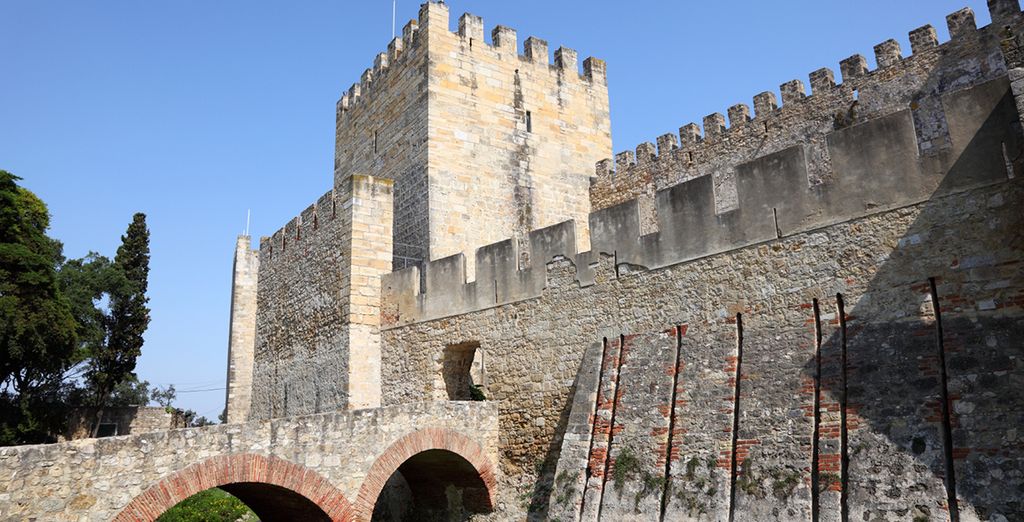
(393, 2)
(247, 213)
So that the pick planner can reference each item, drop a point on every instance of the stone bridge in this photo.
(330, 466)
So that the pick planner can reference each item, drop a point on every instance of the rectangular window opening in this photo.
(107, 429)
(464, 373)
(529, 122)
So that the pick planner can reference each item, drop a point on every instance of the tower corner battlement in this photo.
(434, 16)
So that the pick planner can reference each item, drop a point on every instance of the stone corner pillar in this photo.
(242, 336)
(370, 257)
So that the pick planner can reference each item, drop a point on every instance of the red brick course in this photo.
(417, 442)
(230, 469)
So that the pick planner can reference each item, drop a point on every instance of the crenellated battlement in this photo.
(396, 56)
(504, 42)
(305, 226)
(470, 29)
(877, 165)
(795, 116)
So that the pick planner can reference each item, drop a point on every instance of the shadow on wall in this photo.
(893, 395)
(919, 371)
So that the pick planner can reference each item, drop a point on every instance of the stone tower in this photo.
(447, 144)
(242, 337)
(483, 143)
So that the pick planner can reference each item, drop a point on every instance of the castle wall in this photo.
(773, 350)
(512, 137)
(317, 337)
(242, 335)
(128, 419)
(301, 362)
(915, 82)
(881, 265)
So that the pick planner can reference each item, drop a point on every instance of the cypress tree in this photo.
(129, 316)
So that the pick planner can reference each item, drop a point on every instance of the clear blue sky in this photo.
(194, 111)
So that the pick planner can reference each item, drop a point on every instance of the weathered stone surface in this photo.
(242, 336)
(318, 304)
(814, 313)
(483, 144)
(338, 461)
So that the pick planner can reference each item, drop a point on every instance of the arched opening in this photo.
(431, 485)
(210, 504)
(272, 503)
(246, 502)
(273, 488)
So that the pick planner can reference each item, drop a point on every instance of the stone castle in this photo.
(809, 311)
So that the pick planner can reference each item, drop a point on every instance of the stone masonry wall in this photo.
(818, 342)
(353, 453)
(382, 132)
(880, 265)
(130, 420)
(242, 335)
(489, 174)
(301, 356)
(483, 143)
(317, 338)
(512, 137)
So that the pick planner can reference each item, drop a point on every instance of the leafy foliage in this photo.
(37, 329)
(211, 505)
(130, 392)
(62, 320)
(476, 393)
(164, 396)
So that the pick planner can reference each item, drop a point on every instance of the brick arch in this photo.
(412, 444)
(237, 468)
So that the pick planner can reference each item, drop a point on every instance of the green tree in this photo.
(88, 283)
(37, 329)
(164, 396)
(130, 392)
(114, 361)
